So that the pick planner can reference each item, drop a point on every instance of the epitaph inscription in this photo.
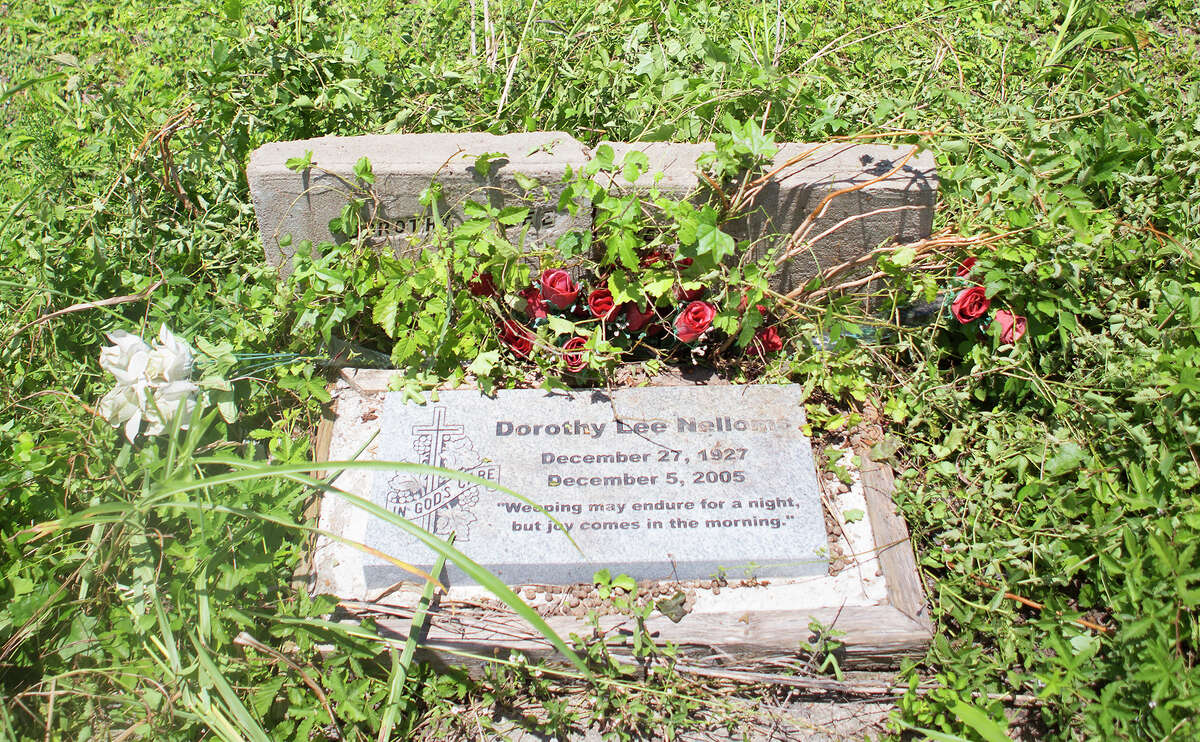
(657, 483)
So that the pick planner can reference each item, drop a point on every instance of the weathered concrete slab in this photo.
(656, 483)
(898, 207)
(910, 195)
(302, 204)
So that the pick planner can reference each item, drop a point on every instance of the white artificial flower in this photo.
(152, 383)
(171, 358)
(122, 406)
(169, 400)
(127, 359)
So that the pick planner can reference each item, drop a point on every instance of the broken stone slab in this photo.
(898, 207)
(301, 205)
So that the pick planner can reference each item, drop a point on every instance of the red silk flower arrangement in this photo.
(628, 327)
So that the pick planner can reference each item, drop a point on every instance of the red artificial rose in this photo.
(662, 256)
(682, 294)
(970, 304)
(1012, 326)
(516, 337)
(482, 285)
(966, 267)
(765, 341)
(535, 305)
(637, 318)
(573, 354)
(694, 320)
(652, 257)
(558, 288)
(600, 302)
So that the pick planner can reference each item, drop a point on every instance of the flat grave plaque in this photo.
(656, 483)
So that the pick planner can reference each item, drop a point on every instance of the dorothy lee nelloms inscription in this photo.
(658, 483)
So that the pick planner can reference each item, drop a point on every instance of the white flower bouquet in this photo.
(153, 382)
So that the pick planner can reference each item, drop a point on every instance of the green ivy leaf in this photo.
(299, 164)
(634, 164)
(625, 582)
(483, 163)
(712, 240)
(602, 160)
(560, 325)
(526, 182)
(363, 170)
(511, 215)
(484, 363)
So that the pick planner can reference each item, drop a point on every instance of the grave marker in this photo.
(874, 601)
(656, 483)
(895, 202)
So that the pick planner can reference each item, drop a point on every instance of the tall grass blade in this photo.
(401, 664)
(299, 473)
(253, 468)
(238, 710)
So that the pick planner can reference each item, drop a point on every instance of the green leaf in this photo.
(711, 240)
(233, 9)
(1067, 458)
(985, 726)
(472, 227)
(673, 607)
(903, 256)
(484, 363)
(626, 583)
(363, 170)
(483, 163)
(299, 164)
(853, 515)
(384, 311)
(624, 290)
(511, 215)
(526, 182)
(634, 164)
(226, 404)
(622, 244)
(659, 286)
(602, 160)
(560, 325)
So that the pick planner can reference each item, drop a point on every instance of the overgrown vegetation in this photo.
(1062, 470)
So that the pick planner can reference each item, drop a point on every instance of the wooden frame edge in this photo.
(893, 543)
(870, 637)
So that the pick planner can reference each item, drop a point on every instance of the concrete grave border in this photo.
(883, 193)
(873, 636)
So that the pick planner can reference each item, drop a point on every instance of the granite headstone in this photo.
(656, 483)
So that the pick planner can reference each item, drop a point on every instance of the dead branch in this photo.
(111, 301)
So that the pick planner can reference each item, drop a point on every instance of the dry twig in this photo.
(111, 301)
